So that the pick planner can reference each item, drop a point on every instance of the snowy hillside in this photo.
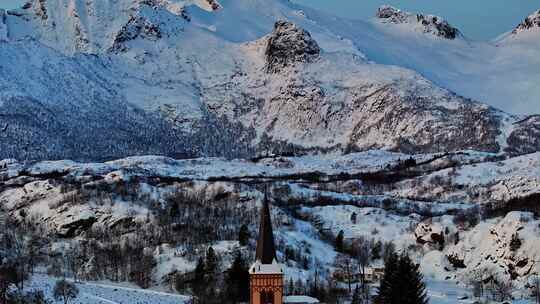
(449, 211)
(129, 75)
(102, 293)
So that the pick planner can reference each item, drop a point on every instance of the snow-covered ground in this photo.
(215, 168)
(439, 292)
(106, 293)
(493, 181)
(371, 223)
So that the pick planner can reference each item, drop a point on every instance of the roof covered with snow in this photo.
(300, 299)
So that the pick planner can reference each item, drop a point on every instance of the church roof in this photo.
(258, 268)
(266, 249)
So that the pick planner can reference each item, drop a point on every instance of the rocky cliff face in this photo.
(288, 45)
(137, 26)
(396, 110)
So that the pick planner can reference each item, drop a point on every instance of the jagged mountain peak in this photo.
(151, 22)
(289, 44)
(531, 22)
(426, 23)
(72, 26)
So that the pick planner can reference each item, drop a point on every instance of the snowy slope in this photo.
(313, 199)
(503, 75)
(106, 293)
(488, 182)
(199, 77)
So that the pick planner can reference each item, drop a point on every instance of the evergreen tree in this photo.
(305, 263)
(198, 283)
(354, 217)
(376, 250)
(412, 280)
(389, 250)
(339, 241)
(402, 282)
(386, 294)
(356, 296)
(174, 210)
(237, 289)
(244, 235)
(65, 291)
(211, 287)
(211, 262)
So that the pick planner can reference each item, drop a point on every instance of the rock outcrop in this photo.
(137, 26)
(426, 23)
(392, 14)
(288, 45)
(40, 9)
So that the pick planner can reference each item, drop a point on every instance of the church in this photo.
(266, 274)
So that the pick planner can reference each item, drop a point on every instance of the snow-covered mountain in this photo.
(406, 123)
(99, 80)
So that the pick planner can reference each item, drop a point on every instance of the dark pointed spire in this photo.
(266, 250)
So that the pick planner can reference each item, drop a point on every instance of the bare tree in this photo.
(65, 291)
(501, 290)
(74, 260)
(362, 250)
(345, 269)
(476, 281)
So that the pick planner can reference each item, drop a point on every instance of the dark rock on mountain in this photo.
(532, 21)
(214, 4)
(288, 45)
(41, 9)
(392, 14)
(137, 26)
(428, 23)
(438, 26)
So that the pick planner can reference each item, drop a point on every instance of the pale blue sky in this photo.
(11, 3)
(477, 19)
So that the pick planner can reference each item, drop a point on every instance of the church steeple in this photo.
(266, 249)
(266, 274)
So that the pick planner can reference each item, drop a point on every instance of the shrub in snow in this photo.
(515, 242)
(65, 291)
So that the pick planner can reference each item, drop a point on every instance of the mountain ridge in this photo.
(159, 73)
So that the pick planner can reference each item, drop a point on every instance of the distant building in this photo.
(266, 274)
(372, 274)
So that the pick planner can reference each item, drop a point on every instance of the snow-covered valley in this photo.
(461, 225)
